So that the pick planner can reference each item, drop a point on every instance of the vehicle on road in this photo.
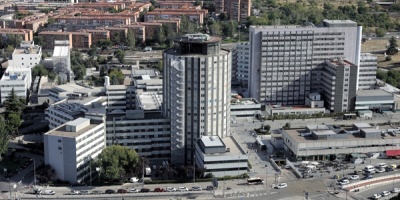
(48, 192)
(196, 188)
(354, 177)
(122, 191)
(369, 168)
(395, 190)
(344, 182)
(385, 193)
(389, 169)
(97, 192)
(145, 190)
(74, 192)
(281, 186)
(133, 190)
(210, 187)
(380, 170)
(159, 190)
(255, 181)
(85, 192)
(134, 180)
(376, 196)
(170, 189)
(109, 191)
(368, 177)
(183, 189)
(382, 165)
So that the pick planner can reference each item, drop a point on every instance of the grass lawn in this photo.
(374, 45)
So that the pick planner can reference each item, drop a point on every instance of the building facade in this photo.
(27, 55)
(70, 148)
(196, 93)
(367, 71)
(243, 63)
(282, 57)
(17, 79)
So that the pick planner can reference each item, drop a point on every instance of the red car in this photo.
(159, 190)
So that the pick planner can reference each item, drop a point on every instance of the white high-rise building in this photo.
(27, 55)
(243, 63)
(196, 93)
(282, 58)
(19, 79)
(367, 71)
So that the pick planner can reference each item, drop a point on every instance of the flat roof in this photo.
(61, 51)
(77, 121)
(370, 130)
(62, 131)
(243, 101)
(378, 92)
(211, 141)
(27, 50)
(324, 132)
(70, 87)
(150, 100)
(317, 127)
(116, 87)
(362, 125)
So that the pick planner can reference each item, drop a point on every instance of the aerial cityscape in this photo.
(179, 99)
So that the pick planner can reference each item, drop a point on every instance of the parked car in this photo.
(389, 169)
(109, 191)
(380, 170)
(170, 189)
(344, 182)
(281, 185)
(144, 190)
(376, 196)
(74, 192)
(395, 190)
(183, 189)
(159, 190)
(48, 192)
(368, 177)
(210, 187)
(196, 188)
(122, 191)
(382, 165)
(354, 177)
(385, 193)
(133, 190)
(85, 192)
(97, 192)
(134, 179)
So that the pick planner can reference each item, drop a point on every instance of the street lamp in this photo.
(194, 169)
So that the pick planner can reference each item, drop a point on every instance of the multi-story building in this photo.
(175, 23)
(138, 30)
(50, 37)
(26, 34)
(133, 15)
(367, 71)
(221, 157)
(196, 93)
(27, 55)
(121, 32)
(97, 35)
(17, 79)
(62, 112)
(116, 96)
(102, 6)
(243, 63)
(238, 10)
(69, 148)
(192, 15)
(94, 20)
(62, 61)
(81, 40)
(283, 57)
(336, 81)
(150, 28)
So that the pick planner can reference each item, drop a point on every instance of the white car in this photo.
(382, 165)
(380, 170)
(281, 185)
(395, 190)
(183, 189)
(48, 192)
(354, 177)
(134, 180)
(133, 190)
(170, 189)
(344, 182)
(376, 196)
(385, 193)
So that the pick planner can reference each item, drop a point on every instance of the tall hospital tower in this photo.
(196, 92)
(282, 58)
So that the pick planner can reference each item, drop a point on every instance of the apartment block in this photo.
(62, 112)
(193, 15)
(196, 92)
(51, 37)
(17, 79)
(26, 55)
(81, 40)
(238, 10)
(177, 5)
(336, 81)
(139, 6)
(243, 63)
(69, 148)
(26, 34)
(282, 58)
(138, 30)
(98, 21)
(101, 6)
(175, 23)
(32, 22)
(150, 28)
(122, 32)
(367, 71)
(97, 35)
(133, 16)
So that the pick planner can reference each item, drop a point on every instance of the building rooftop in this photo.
(28, 50)
(211, 141)
(61, 51)
(375, 93)
(62, 131)
(340, 62)
(317, 127)
(362, 125)
(149, 100)
(77, 121)
(14, 74)
(197, 38)
(244, 101)
(324, 132)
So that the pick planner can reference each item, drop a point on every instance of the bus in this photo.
(255, 181)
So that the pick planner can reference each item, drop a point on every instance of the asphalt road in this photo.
(368, 193)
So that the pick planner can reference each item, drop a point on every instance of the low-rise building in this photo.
(325, 142)
(245, 107)
(17, 79)
(94, 20)
(221, 157)
(26, 34)
(72, 90)
(367, 71)
(377, 100)
(192, 15)
(69, 148)
(26, 55)
(50, 38)
(81, 40)
(139, 31)
(97, 35)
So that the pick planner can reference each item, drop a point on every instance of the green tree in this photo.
(116, 77)
(39, 70)
(170, 34)
(160, 36)
(222, 16)
(14, 40)
(116, 162)
(116, 39)
(13, 122)
(93, 51)
(392, 48)
(104, 44)
(39, 40)
(51, 20)
(79, 71)
(120, 55)
(3, 136)
(130, 39)
(215, 29)
(380, 32)
(46, 174)
(14, 104)
(9, 49)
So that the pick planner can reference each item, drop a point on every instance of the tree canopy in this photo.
(116, 77)
(39, 70)
(3, 135)
(116, 162)
(392, 48)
